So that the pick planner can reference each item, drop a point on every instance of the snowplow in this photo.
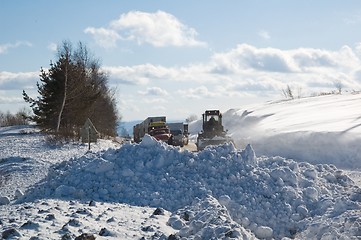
(213, 132)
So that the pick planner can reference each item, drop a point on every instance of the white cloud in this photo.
(139, 74)
(4, 99)
(159, 108)
(53, 47)
(352, 19)
(125, 75)
(242, 71)
(7, 76)
(154, 91)
(309, 58)
(127, 104)
(105, 38)
(20, 80)
(263, 71)
(264, 34)
(155, 101)
(263, 59)
(5, 47)
(159, 29)
(197, 93)
(358, 49)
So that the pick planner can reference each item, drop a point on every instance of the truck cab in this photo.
(160, 131)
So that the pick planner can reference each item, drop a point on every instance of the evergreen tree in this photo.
(72, 90)
(51, 90)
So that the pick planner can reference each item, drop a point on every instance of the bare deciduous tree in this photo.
(288, 93)
(19, 118)
(338, 84)
(191, 118)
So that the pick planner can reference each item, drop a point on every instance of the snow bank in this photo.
(325, 129)
(26, 155)
(270, 197)
(58, 219)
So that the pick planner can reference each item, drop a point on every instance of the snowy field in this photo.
(294, 173)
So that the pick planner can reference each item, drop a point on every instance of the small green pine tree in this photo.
(72, 90)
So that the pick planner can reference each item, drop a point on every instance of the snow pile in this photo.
(270, 197)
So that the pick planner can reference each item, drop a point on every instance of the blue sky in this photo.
(178, 58)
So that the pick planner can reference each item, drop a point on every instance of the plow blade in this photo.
(202, 143)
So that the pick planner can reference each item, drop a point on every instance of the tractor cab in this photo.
(212, 123)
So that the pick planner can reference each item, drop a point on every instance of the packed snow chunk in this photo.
(175, 222)
(330, 177)
(148, 141)
(31, 225)
(302, 210)
(63, 191)
(356, 196)
(127, 172)
(249, 156)
(99, 165)
(208, 219)
(104, 232)
(11, 233)
(311, 193)
(4, 200)
(286, 174)
(343, 179)
(310, 173)
(18, 193)
(224, 200)
(263, 232)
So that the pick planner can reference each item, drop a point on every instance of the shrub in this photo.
(9, 119)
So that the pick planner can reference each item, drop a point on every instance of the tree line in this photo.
(72, 90)
(12, 119)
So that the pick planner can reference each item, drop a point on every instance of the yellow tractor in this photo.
(213, 132)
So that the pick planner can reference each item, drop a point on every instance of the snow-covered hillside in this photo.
(155, 191)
